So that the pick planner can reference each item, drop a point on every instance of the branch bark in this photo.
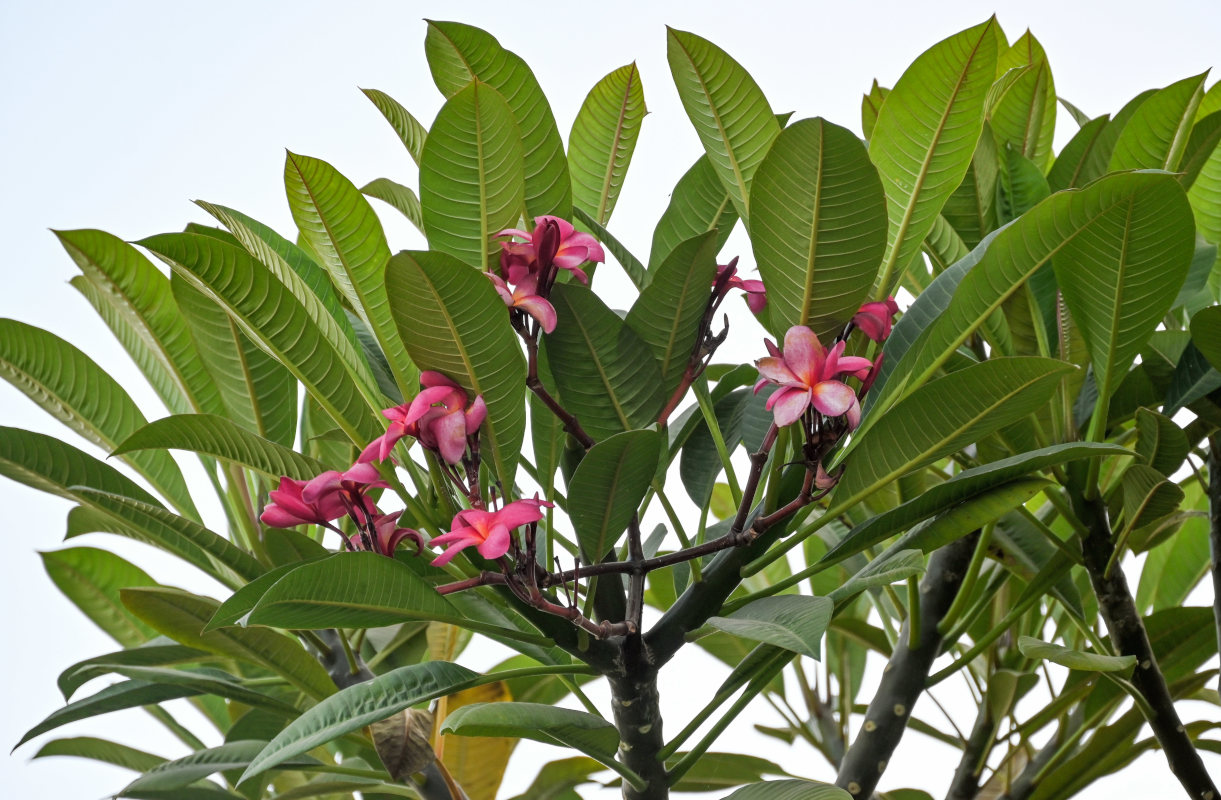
(1214, 529)
(1128, 636)
(905, 674)
(965, 784)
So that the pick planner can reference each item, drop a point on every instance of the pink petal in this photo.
(854, 414)
(831, 363)
(562, 225)
(448, 431)
(519, 513)
(512, 232)
(854, 365)
(364, 473)
(449, 554)
(772, 349)
(540, 309)
(832, 398)
(580, 275)
(426, 399)
(774, 369)
(497, 543)
(803, 354)
(875, 327)
(475, 415)
(374, 451)
(756, 301)
(325, 483)
(501, 288)
(788, 404)
(278, 517)
(432, 378)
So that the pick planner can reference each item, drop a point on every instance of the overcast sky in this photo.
(117, 115)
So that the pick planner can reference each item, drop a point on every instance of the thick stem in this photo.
(906, 673)
(1128, 636)
(1214, 521)
(965, 784)
(637, 710)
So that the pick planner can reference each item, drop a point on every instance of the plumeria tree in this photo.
(992, 380)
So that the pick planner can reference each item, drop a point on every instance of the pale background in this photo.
(116, 115)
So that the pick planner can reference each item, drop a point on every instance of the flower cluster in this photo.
(528, 268)
(727, 278)
(810, 376)
(489, 531)
(438, 417)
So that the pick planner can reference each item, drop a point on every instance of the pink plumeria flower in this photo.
(876, 319)
(525, 296)
(553, 242)
(489, 531)
(287, 509)
(756, 293)
(388, 536)
(806, 374)
(347, 490)
(438, 417)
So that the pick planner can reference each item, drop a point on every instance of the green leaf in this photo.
(128, 694)
(1206, 334)
(1082, 158)
(944, 416)
(971, 515)
(871, 107)
(925, 138)
(715, 771)
(557, 779)
(607, 488)
(361, 705)
(181, 772)
(1021, 185)
(1193, 378)
(182, 616)
(1174, 567)
(1025, 117)
(398, 196)
(134, 299)
(49, 465)
(727, 108)
(818, 226)
(668, 312)
(793, 622)
(337, 223)
(607, 377)
(1079, 116)
(458, 54)
(603, 137)
(101, 750)
(246, 597)
(258, 392)
(698, 204)
(563, 727)
(471, 175)
(631, 265)
(1160, 442)
(789, 790)
(700, 463)
(971, 209)
(278, 322)
(963, 486)
(1157, 134)
(452, 321)
(408, 128)
(210, 681)
(1147, 496)
(894, 566)
(91, 579)
(220, 438)
(1073, 659)
(1121, 276)
(155, 653)
(183, 537)
(1085, 231)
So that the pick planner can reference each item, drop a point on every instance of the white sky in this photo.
(116, 115)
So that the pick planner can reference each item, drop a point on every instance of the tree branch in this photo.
(1214, 524)
(1128, 636)
(965, 784)
(904, 677)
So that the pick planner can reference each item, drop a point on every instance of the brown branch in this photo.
(535, 385)
(1214, 524)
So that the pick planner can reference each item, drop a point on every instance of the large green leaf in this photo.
(1073, 659)
(1081, 157)
(603, 137)
(966, 484)
(260, 394)
(71, 387)
(91, 579)
(971, 515)
(452, 321)
(181, 772)
(182, 616)
(727, 108)
(55, 467)
(925, 138)
(790, 790)
(563, 727)
(971, 209)
(100, 750)
(607, 377)
(1025, 117)
(154, 653)
(183, 537)
(607, 488)
(667, 314)
(337, 223)
(1174, 567)
(361, 705)
(134, 299)
(871, 106)
(1083, 230)
(1206, 334)
(399, 196)
(246, 597)
(410, 131)
(944, 416)
(458, 54)
(218, 437)
(698, 204)
(278, 322)
(471, 175)
(794, 622)
(128, 694)
(1157, 134)
(818, 226)
(1121, 275)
